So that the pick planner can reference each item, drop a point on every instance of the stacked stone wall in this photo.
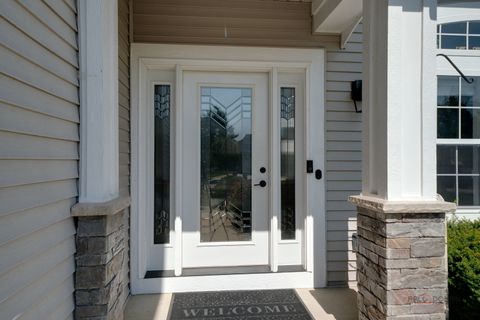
(401, 265)
(101, 279)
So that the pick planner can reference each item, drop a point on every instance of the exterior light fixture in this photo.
(356, 93)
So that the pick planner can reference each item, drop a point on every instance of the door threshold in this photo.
(209, 271)
(240, 281)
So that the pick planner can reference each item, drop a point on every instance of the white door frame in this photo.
(145, 57)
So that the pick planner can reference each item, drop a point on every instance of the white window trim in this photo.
(463, 58)
(459, 18)
(228, 58)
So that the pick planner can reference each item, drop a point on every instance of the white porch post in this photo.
(401, 266)
(400, 99)
(102, 222)
(98, 42)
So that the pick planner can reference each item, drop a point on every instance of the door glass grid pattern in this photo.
(458, 134)
(161, 221)
(226, 162)
(287, 162)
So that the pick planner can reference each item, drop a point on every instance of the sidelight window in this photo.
(287, 160)
(161, 221)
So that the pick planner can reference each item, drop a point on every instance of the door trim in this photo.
(180, 58)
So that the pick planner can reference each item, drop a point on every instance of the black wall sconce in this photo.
(356, 93)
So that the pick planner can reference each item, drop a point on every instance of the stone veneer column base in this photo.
(101, 276)
(401, 259)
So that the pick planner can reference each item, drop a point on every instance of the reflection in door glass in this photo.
(287, 160)
(226, 160)
(161, 221)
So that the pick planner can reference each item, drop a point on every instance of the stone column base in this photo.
(401, 259)
(101, 275)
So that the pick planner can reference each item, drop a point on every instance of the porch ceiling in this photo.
(271, 23)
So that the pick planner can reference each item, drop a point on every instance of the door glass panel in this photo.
(161, 221)
(287, 160)
(226, 162)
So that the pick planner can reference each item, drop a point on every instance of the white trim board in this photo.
(179, 58)
(98, 64)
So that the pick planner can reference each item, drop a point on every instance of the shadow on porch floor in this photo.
(331, 303)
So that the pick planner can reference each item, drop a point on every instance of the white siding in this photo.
(343, 143)
(38, 157)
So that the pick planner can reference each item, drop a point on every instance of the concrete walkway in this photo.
(331, 303)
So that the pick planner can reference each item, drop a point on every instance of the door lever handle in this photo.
(262, 184)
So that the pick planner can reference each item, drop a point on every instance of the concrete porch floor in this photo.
(331, 303)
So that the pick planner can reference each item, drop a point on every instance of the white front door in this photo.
(209, 124)
(225, 169)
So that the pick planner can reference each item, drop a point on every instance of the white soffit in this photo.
(335, 16)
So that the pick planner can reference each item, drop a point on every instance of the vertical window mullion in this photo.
(440, 41)
(466, 35)
(459, 108)
(456, 176)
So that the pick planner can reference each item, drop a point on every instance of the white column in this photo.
(399, 110)
(98, 44)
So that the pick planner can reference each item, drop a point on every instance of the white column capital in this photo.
(400, 99)
(98, 44)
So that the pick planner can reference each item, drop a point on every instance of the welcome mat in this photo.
(239, 305)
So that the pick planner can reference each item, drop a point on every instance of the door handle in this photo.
(262, 183)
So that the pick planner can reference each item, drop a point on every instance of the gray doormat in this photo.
(239, 305)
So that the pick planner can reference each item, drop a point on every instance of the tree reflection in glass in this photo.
(226, 156)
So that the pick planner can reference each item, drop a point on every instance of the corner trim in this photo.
(98, 75)
(108, 208)
(386, 206)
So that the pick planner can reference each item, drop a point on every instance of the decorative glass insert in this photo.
(459, 35)
(458, 174)
(287, 162)
(458, 112)
(161, 221)
(226, 164)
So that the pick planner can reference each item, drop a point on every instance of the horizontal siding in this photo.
(124, 122)
(343, 155)
(124, 94)
(227, 22)
(38, 158)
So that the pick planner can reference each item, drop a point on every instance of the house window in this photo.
(458, 137)
(459, 35)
